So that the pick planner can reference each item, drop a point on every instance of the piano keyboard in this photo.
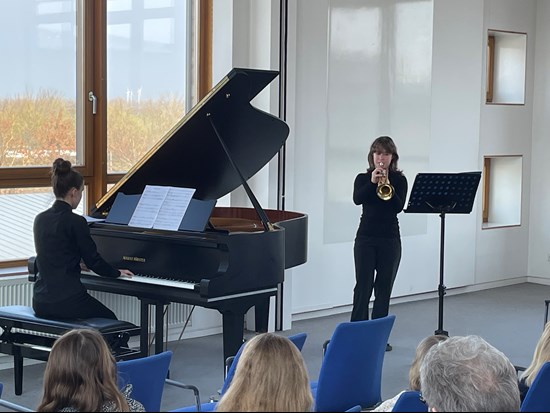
(153, 280)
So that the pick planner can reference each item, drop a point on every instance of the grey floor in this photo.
(511, 318)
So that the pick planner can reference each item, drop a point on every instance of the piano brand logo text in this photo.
(137, 259)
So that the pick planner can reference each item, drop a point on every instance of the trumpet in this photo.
(384, 190)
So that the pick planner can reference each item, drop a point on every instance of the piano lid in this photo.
(190, 154)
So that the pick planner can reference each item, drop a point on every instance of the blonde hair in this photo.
(421, 351)
(541, 356)
(270, 376)
(81, 373)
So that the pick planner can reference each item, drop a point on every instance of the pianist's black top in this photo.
(62, 239)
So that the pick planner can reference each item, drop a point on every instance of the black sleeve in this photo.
(88, 250)
(400, 188)
(364, 191)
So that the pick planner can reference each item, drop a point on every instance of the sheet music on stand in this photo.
(443, 193)
(161, 207)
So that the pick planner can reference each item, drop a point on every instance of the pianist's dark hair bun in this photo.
(61, 167)
(64, 177)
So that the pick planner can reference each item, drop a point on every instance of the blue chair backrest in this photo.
(351, 370)
(147, 376)
(298, 339)
(410, 401)
(537, 398)
(356, 408)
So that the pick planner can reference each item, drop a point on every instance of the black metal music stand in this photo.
(443, 193)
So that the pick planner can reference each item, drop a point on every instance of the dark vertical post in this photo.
(144, 328)
(283, 44)
(159, 327)
(441, 288)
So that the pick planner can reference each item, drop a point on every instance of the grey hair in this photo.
(467, 374)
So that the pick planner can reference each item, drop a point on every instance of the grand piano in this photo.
(238, 260)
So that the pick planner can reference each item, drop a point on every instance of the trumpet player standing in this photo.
(381, 192)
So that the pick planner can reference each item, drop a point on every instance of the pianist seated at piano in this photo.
(62, 240)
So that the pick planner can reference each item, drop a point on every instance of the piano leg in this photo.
(261, 315)
(233, 332)
(233, 313)
(159, 327)
(144, 327)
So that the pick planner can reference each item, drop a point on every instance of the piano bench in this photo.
(24, 335)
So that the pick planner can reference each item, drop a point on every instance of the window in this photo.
(506, 61)
(142, 65)
(501, 202)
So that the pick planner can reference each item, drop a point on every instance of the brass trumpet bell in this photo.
(384, 190)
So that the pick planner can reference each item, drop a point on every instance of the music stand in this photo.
(443, 193)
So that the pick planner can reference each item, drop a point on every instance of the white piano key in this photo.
(153, 280)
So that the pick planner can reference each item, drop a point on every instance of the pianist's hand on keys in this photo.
(126, 273)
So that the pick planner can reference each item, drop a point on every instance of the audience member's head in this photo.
(421, 351)
(467, 374)
(81, 374)
(541, 356)
(270, 376)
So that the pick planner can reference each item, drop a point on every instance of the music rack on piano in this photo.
(238, 260)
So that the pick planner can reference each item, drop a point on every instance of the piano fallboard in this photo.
(221, 263)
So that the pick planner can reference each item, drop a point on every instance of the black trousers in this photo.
(376, 264)
(81, 306)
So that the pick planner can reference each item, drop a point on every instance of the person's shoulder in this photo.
(387, 405)
(77, 219)
(133, 404)
(40, 216)
(399, 174)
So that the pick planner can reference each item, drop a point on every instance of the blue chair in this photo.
(12, 406)
(148, 375)
(351, 370)
(298, 339)
(356, 408)
(537, 398)
(410, 401)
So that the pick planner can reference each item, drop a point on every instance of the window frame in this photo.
(93, 69)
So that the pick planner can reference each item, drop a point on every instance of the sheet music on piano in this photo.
(161, 207)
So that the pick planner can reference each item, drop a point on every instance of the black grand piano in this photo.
(238, 261)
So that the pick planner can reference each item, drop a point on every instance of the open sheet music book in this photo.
(161, 207)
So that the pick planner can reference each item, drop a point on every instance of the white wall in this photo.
(363, 69)
(502, 253)
(539, 225)
(456, 83)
